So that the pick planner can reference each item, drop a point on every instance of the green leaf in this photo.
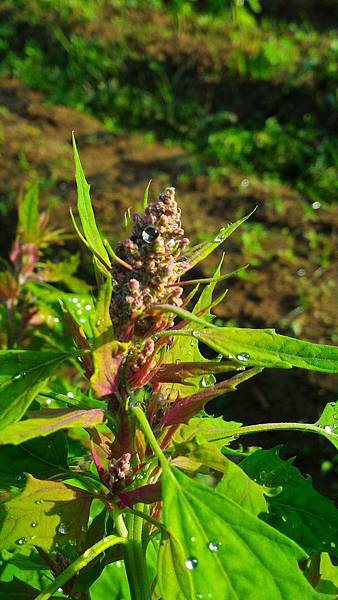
(328, 582)
(328, 423)
(112, 584)
(41, 457)
(28, 217)
(299, 511)
(227, 550)
(203, 250)
(29, 372)
(266, 348)
(91, 232)
(46, 513)
(108, 353)
(207, 429)
(45, 422)
(185, 348)
(237, 486)
(174, 580)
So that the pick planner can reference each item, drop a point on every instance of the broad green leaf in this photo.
(45, 422)
(91, 232)
(28, 217)
(207, 429)
(328, 423)
(299, 511)
(112, 583)
(41, 457)
(174, 579)
(228, 552)
(23, 374)
(236, 485)
(203, 250)
(108, 353)
(46, 513)
(328, 582)
(266, 348)
(185, 349)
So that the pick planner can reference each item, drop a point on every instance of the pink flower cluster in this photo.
(153, 250)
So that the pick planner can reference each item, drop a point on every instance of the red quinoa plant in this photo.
(115, 481)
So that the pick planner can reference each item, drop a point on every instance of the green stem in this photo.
(262, 427)
(78, 564)
(134, 557)
(152, 441)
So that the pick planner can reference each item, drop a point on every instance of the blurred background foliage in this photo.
(234, 103)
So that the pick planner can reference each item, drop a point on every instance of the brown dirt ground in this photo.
(35, 144)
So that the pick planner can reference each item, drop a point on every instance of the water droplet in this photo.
(88, 307)
(204, 382)
(118, 564)
(328, 429)
(284, 518)
(192, 343)
(60, 590)
(197, 334)
(191, 563)
(21, 541)
(70, 394)
(79, 311)
(63, 528)
(245, 183)
(38, 501)
(149, 234)
(198, 595)
(75, 300)
(301, 272)
(219, 237)
(34, 524)
(20, 477)
(48, 401)
(332, 544)
(214, 546)
(315, 205)
(72, 542)
(193, 539)
(243, 356)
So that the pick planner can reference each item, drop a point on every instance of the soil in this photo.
(290, 284)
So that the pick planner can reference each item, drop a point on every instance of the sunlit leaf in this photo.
(23, 374)
(328, 423)
(174, 579)
(204, 249)
(45, 422)
(112, 584)
(108, 353)
(227, 550)
(207, 429)
(299, 511)
(328, 583)
(28, 217)
(236, 485)
(91, 232)
(44, 514)
(266, 348)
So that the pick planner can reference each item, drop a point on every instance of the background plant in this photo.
(114, 476)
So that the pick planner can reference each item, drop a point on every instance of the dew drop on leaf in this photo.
(214, 546)
(63, 528)
(38, 501)
(193, 539)
(243, 356)
(328, 429)
(34, 524)
(284, 518)
(21, 541)
(191, 563)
